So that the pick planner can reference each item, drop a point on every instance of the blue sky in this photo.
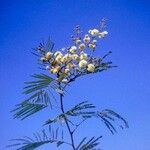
(124, 89)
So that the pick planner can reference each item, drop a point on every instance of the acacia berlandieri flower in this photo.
(75, 59)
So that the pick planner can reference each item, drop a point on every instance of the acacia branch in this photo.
(67, 123)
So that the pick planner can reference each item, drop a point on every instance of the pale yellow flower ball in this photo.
(55, 69)
(94, 32)
(91, 68)
(94, 41)
(82, 63)
(75, 57)
(73, 49)
(58, 58)
(58, 53)
(82, 46)
(66, 58)
(102, 34)
(66, 70)
(63, 60)
(64, 81)
(86, 38)
(48, 55)
(69, 57)
(105, 32)
(78, 41)
(93, 46)
(70, 65)
(83, 56)
(54, 63)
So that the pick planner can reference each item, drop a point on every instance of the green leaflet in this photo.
(83, 109)
(26, 109)
(86, 110)
(42, 81)
(89, 145)
(38, 99)
(45, 137)
(109, 117)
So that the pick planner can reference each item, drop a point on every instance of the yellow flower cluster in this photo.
(75, 59)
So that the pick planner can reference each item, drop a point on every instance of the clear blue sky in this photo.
(125, 89)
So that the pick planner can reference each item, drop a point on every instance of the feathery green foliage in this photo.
(42, 81)
(38, 99)
(45, 137)
(82, 109)
(109, 117)
(26, 109)
(89, 145)
(87, 110)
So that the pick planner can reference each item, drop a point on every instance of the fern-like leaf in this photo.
(27, 143)
(109, 117)
(82, 109)
(42, 81)
(38, 99)
(89, 145)
(26, 109)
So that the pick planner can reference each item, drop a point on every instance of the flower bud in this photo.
(90, 67)
(75, 57)
(64, 81)
(70, 65)
(55, 69)
(102, 34)
(86, 38)
(94, 41)
(48, 55)
(73, 49)
(57, 53)
(77, 41)
(54, 62)
(83, 56)
(82, 63)
(66, 70)
(94, 32)
(67, 57)
(93, 46)
(82, 46)
(58, 58)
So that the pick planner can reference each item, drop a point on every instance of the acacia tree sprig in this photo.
(64, 66)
